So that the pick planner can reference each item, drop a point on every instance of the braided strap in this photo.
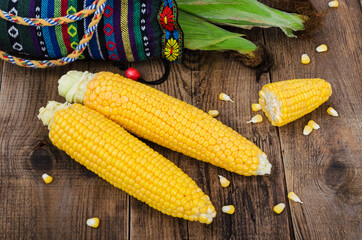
(48, 22)
(72, 56)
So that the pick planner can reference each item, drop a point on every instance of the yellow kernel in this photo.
(279, 208)
(213, 113)
(229, 209)
(256, 119)
(333, 4)
(313, 124)
(93, 222)
(307, 130)
(223, 181)
(255, 107)
(294, 197)
(47, 179)
(305, 59)
(225, 97)
(322, 48)
(203, 218)
(332, 112)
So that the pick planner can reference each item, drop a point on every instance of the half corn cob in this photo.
(165, 120)
(115, 155)
(286, 101)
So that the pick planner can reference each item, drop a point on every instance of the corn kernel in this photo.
(225, 97)
(314, 125)
(93, 222)
(279, 208)
(256, 119)
(305, 59)
(213, 113)
(333, 4)
(294, 197)
(223, 181)
(255, 107)
(332, 112)
(229, 209)
(47, 179)
(322, 48)
(307, 130)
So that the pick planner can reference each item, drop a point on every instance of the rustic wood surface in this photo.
(323, 168)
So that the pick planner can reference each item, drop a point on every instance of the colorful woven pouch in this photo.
(67, 30)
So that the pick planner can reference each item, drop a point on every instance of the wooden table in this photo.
(322, 168)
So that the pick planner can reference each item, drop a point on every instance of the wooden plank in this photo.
(30, 208)
(253, 197)
(324, 168)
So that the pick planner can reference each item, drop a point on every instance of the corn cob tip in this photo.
(279, 208)
(93, 222)
(264, 165)
(46, 114)
(72, 86)
(294, 197)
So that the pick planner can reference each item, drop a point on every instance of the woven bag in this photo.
(62, 31)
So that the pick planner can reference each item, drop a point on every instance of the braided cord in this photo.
(72, 56)
(48, 22)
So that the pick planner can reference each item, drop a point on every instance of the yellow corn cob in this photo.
(165, 120)
(115, 155)
(286, 101)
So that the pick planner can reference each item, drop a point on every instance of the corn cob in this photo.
(115, 155)
(167, 121)
(286, 101)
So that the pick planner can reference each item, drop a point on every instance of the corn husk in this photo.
(243, 14)
(202, 35)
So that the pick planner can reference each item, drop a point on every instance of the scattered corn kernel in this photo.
(333, 4)
(255, 107)
(225, 97)
(256, 119)
(294, 197)
(307, 130)
(213, 113)
(322, 48)
(279, 208)
(229, 209)
(223, 181)
(93, 222)
(305, 59)
(332, 112)
(314, 125)
(47, 179)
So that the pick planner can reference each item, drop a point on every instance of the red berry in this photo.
(133, 74)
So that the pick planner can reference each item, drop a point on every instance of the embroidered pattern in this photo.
(172, 39)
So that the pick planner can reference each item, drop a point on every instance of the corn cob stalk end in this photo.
(72, 86)
(46, 114)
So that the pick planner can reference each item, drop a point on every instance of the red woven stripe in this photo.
(66, 37)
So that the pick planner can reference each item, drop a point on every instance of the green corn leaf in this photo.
(202, 35)
(243, 14)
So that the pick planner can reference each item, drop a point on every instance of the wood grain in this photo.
(32, 209)
(324, 168)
